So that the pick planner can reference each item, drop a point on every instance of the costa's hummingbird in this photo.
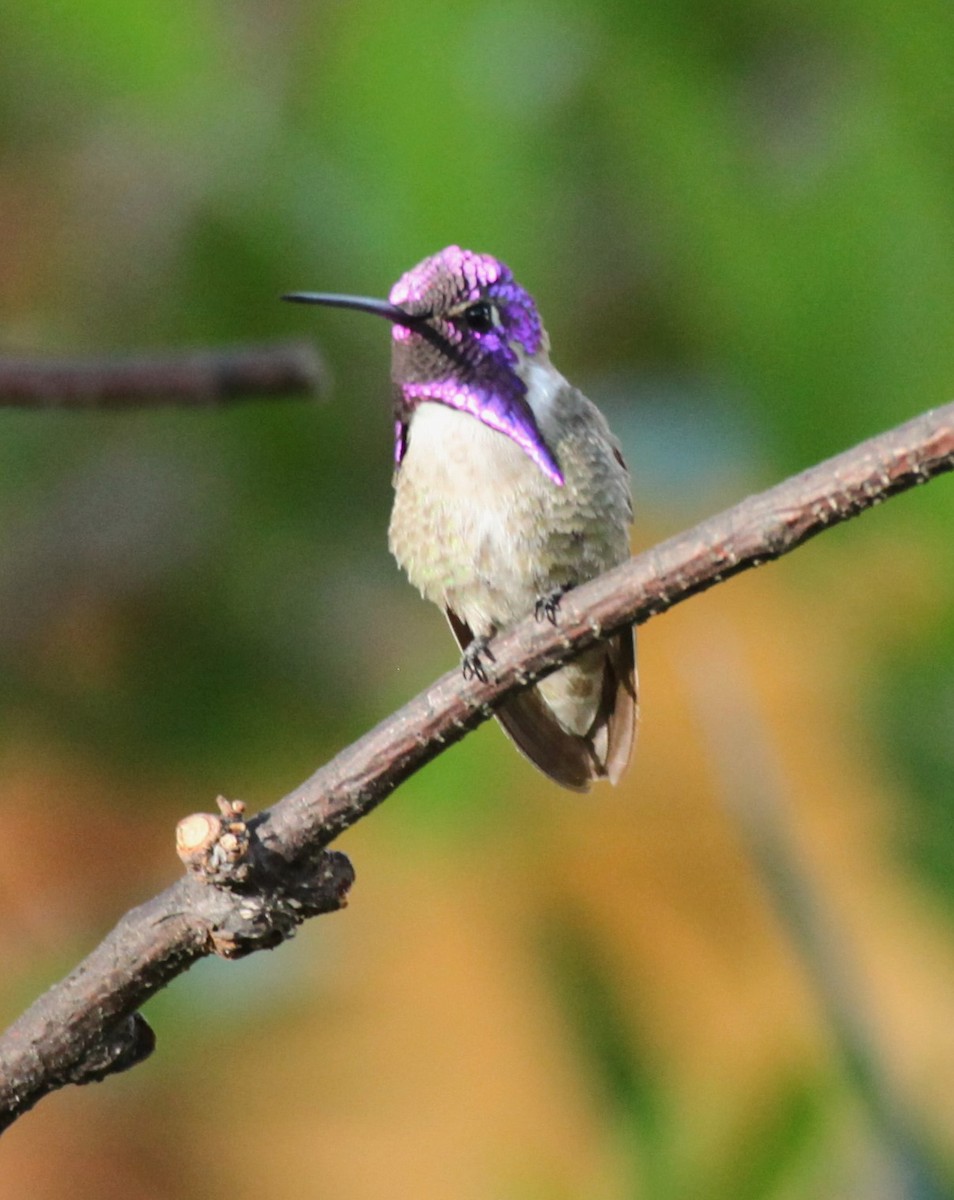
(510, 489)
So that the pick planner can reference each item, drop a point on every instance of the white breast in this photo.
(481, 529)
(469, 517)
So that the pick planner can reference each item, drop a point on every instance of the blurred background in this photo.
(734, 975)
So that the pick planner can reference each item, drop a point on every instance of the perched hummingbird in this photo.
(510, 489)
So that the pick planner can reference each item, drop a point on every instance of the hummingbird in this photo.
(509, 490)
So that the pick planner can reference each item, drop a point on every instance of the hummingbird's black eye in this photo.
(479, 317)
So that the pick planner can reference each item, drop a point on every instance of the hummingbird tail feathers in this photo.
(621, 704)
(573, 759)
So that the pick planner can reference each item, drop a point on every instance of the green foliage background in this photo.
(738, 223)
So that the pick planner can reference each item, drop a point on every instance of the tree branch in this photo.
(200, 378)
(250, 885)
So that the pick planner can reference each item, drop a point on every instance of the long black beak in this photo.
(380, 308)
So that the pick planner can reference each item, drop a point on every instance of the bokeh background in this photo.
(734, 975)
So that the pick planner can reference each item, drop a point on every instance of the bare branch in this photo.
(252, 891)
(200, 378)
(88, 1026)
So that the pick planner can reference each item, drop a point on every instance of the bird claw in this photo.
(470, 663)
(547, 607)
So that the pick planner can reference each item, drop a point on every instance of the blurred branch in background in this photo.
(254, 898)
(754, 792)
(199, 378)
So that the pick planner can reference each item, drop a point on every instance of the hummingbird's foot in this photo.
(470, 663)
(547, 607)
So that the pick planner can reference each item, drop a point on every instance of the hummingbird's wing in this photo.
(574, 760)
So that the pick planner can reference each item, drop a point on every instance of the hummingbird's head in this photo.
(475, 331)
(464, 335)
